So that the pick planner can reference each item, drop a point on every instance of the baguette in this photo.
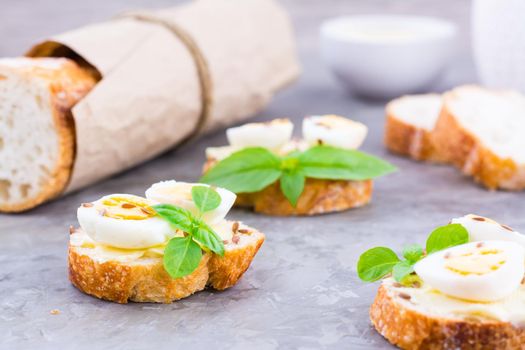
(142, 278)
(480, 131)
(409, 124)
(37, 153)
(409, 325)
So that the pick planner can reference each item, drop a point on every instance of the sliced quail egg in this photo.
(123, 221)
(333, 130)
(271, 135)
(478, 271)
(179, 194)
(485, 229)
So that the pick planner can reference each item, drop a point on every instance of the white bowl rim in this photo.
(436, 28)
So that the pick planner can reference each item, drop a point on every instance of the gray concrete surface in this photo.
(301, 291)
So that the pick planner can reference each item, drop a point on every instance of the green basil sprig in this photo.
(182, 255)
(252, 169)
(378, 262)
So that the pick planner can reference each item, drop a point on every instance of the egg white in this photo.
(179, 194)
(491, 286)
(220, 153)
(271, 135)
(484, 229)
(122, 233)
(334, 131)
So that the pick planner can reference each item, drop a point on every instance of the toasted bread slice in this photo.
(419, 318)
(318, 197)
(409, 124)
(139, 276)
(481, 131)
(37, 132)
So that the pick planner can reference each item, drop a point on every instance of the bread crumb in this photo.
(54, 312)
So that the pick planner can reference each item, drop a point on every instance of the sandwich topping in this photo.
(457, 274)
(177, 221)
(261, 154)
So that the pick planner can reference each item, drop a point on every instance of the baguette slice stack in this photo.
(480, 131)
(37, 153)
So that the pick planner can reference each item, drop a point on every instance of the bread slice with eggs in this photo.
(37, 132)
(481, 131)
(138, 275)
(319, 196)
(417, 317)
(409, 124)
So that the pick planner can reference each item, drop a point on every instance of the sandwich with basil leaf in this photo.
(161, 248)
(464, 289)
(274, 174)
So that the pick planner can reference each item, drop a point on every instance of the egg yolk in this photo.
(127, 208)
(476, 262)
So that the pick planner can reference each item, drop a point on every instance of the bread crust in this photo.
(408, 140)
(411, 330)
(147, 281)
(319, 197)
(67, 85)
(464, 150)
(405, 139)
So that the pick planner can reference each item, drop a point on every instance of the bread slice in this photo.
(409, 124)
(140, 276)
(319, 197)
(37, 133)
(411, 321)
(481, 132)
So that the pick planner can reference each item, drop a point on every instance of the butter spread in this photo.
(431, 302)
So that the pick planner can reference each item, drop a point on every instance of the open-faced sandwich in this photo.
(277, 175)
(161, 248)
(465, 290)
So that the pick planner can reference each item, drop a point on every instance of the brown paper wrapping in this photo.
(151, 96)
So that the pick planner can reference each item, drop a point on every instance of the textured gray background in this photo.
(301, 291)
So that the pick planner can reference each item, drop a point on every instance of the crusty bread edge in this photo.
(464, 150)
(123, 282)
(409, 329)
(406, 139)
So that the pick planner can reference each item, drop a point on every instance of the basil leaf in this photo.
(375, 263)
(248, 170)
(179, 218)
(292, 185)
(445, 237)
(413, 253)
(205, 198)
(326, 162)
(207, 238)
(402, 269)
(181, 256)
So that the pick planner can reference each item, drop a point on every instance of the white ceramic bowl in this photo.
(387, 55)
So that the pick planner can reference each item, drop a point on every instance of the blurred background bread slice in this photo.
(37, 133)
(409, 123)
(481, 131)
(478, 130)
